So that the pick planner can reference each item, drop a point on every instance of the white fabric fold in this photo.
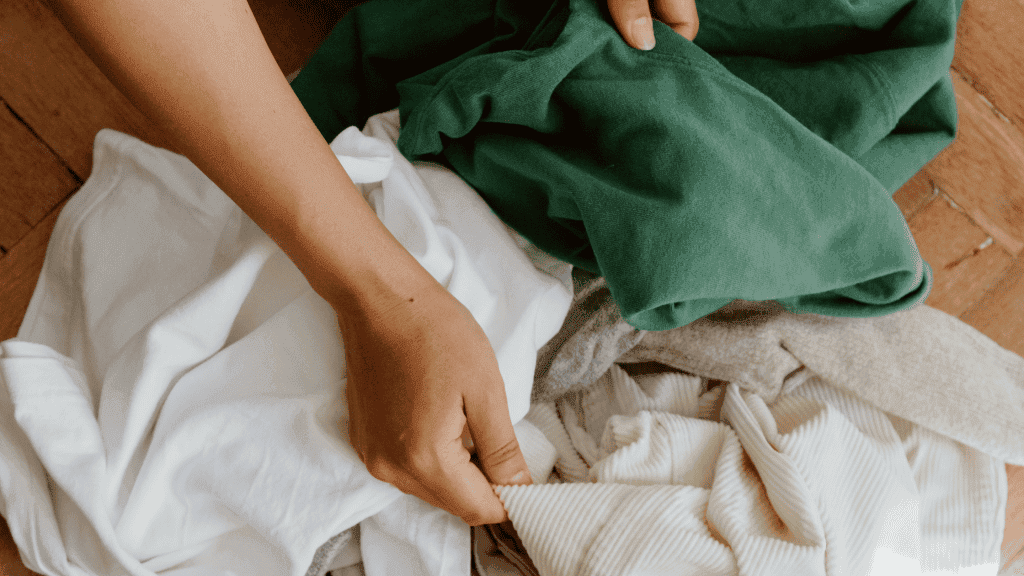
(174, 401)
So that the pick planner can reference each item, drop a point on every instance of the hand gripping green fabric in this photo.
(757, 162)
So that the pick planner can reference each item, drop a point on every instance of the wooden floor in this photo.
(965, 209)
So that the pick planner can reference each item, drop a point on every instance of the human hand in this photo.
(418, 376)
(633, 19)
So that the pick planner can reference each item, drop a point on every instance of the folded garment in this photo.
(174, 401)
(756, 162)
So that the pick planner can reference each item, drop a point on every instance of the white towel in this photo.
(174, 400)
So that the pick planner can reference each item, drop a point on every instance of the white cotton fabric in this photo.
(665, 477)
(174, 402)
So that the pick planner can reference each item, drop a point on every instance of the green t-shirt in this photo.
(757, 162)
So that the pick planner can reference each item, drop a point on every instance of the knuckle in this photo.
(501, 453)
(413, 459)
(628, 9)
(380, 468)
(421, 461)
(478, 517)
(474, 519)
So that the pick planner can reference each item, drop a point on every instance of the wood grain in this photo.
(19, 272)
(57, 89)
(1000, 313)
(965, 261)
(34, 179)
(990, 53)
(915, 194)
(983, 170)
(1013, 536)
(294, 29)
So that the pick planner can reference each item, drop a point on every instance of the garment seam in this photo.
(92, 199)
(64, 229)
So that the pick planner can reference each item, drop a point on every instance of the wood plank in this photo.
(34, 179)
(983, 170)
(61, 94)
(57, 89)
(1000, 313)
(990, 53)
(965, 261)
(915, 194)
(19, 272)
(295, 28)
(1013, 534)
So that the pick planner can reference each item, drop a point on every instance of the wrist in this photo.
(351, 259)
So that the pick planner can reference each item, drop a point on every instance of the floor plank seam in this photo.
(42, 221)
(981, 94)
(994, 289)
(969, 254)
(36, 135)
(912, 210)
(954, 205)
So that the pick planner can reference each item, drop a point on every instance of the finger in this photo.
(355, 443)
(680, 15)
(471, 489)
(467, 440)
(497, 448)
(633, 20)
(451, 482)
(354, 424)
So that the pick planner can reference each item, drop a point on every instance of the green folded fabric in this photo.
(757, 162)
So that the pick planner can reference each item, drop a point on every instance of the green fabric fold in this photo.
(757, 162)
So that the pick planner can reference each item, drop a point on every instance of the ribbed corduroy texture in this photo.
(816, 482)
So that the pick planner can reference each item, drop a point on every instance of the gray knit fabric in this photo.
(593, 336)
(921, 364)
(326, 553)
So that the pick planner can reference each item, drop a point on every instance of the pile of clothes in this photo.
(174, 405)
(705, 306)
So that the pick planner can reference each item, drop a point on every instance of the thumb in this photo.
(633, 20)
(681, 15)
(494, 438)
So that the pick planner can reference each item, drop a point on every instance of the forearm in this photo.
(202, 71)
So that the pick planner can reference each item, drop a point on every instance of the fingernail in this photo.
(643, 32)
(519, 477)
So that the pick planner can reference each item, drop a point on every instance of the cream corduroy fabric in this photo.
(817, 482)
